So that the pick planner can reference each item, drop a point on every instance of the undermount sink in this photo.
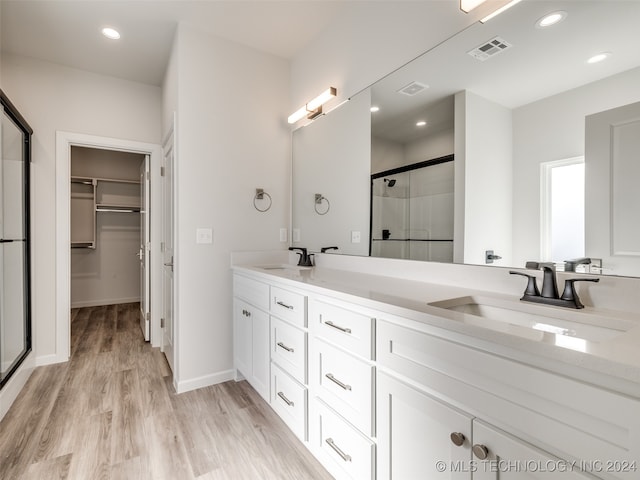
(571, 328)
(283, 266)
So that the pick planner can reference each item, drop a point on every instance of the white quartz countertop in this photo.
(606, 352)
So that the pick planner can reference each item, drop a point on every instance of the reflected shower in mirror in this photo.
(412, 211)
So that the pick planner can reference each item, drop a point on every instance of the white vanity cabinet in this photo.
(288, 353)
(436, 388)
(342, 382)
(251, 332)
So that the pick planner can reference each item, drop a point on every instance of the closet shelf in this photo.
(117, 208)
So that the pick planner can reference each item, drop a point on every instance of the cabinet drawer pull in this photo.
(338, 382)
(278, 302)
(286, 400)
(282, 345)
(344, 456)
(337, 327)
(480, 451)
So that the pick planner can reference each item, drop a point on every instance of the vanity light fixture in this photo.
(599, 57)
(551, 19)
(467, 5)
(500, 10)
(421, 123)
(314, 107)
(111, 33)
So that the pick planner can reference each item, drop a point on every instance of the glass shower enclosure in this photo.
(412, 211)
(15, 298)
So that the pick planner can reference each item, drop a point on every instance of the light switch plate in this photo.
(283, 234)
(204, 235)
(355, 237)
(296, 234)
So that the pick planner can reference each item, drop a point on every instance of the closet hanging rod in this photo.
(123, 210)
(82, 182)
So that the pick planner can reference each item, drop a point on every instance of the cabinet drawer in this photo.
(343, 451)
(345, 327)
(289, 349)
(253, 291)
(345, 383)
(289, 400)
(289, 306)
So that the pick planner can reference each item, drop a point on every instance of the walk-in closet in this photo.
(107, 230)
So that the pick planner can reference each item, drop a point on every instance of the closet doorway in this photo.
(109, 229)
(116, 193)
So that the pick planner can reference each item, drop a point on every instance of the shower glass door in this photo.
(15, 322)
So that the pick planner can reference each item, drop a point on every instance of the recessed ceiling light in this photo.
(111, 33)
(375, 109)
(421, 123)
(599, 57)
(551, 19)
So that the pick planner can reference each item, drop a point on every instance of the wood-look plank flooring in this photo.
(111, 413)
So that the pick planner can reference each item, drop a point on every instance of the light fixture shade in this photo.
(321, 99)
(468, 5)
(313, 108)
(297, 115)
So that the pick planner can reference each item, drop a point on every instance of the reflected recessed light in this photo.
(551, 19)
(111, 33)
(421, 123)
(375, 109)
(599, 57)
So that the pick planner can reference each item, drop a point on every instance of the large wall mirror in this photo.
(545, 143)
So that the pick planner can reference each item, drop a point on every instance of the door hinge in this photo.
(162, 323)
(162, 171)
(148, 316)
(161, 246)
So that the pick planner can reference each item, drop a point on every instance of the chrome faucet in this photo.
(549, 295)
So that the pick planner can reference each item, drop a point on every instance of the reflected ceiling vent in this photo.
(489, 49)
(413, 88)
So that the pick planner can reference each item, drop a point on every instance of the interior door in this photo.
(145, 277)
(168, 252)
(612, 172)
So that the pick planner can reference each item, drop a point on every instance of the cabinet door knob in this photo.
(457, 438)
(480, 451)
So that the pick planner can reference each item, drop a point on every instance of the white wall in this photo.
(553, 129)
(52, 97)
(232, 137)
(368, 41)
(483, 163)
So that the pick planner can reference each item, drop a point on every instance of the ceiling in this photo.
(68, 32)
(540, 63)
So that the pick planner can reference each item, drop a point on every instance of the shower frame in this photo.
(395, 171)
(19, 121)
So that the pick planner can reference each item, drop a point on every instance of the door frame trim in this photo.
(64, 142)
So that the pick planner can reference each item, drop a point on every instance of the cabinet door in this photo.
(416, 435)
(509, 458)
(243, 338)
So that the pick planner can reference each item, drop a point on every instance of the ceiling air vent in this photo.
(489, 49)
(413, 88)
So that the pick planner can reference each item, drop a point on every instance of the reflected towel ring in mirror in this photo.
(260, 194)
(319, 199)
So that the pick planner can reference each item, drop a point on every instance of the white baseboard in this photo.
(107, 301)
(15, 384)
(204, 381)
(50, 359)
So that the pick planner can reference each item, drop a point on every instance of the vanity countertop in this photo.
(613, 362)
